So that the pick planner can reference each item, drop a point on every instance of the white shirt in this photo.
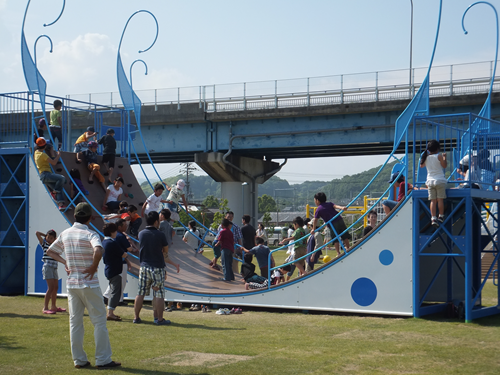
(192, 240)
(435, 174)
(113, 193)
(175, 194)
(153, 203)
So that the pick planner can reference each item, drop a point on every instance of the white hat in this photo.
(180, 184)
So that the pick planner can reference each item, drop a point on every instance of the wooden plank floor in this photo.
(195, 275)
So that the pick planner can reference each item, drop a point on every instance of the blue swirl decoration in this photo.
(129, 98)
(480, 124)
(34, 79)
(420, 102)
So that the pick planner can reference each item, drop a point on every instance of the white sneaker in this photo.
(220, 312)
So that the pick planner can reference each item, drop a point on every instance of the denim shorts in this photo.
(49, 272)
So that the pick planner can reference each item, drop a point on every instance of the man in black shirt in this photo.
(248, 232)
(153, 244)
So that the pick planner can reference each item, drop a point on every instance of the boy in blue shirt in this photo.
(261, 252)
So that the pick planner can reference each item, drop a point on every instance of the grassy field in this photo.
(255, 342)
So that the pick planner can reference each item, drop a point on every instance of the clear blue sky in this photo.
(221, 41)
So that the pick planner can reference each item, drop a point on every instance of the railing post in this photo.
(341, 89)
(491, 70)
(178, 98)
(376, 86)
(204, 98)
(215, 104)
(156, 99)
(451, 80)
(276, 94)
(111, 99)
(200, 98)
(244, 96)
(413, 83)
(308, 94)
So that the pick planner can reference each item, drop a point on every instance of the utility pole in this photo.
(186, 169)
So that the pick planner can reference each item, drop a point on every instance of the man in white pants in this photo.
(83, 251)
(127, 245)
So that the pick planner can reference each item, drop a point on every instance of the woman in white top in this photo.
(192, 236)
(436, 182)
(261, 232)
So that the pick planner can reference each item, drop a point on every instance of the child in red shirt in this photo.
(226, 242)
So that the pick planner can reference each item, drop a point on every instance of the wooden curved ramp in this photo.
(195, 276)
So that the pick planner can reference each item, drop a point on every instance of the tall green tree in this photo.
(266, 204)
(211, 202)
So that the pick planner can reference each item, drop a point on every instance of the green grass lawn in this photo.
(255, 342)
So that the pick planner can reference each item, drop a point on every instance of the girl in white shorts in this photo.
(435, 162)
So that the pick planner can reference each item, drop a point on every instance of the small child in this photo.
(109, 152)
(56, 122)
(154, 200)
(135, 220)
(113, 194)
(436, 182)
(174, 195)
(75, 174)
(49, 272)
(191, 237)
(112, 258)
(91, 158)
(82, 142)
(372, 222)
(252, 280)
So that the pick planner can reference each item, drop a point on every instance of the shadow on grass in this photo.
(195, 326)
(9, 343)
(488, 321)
(10, 315)
(142, 371)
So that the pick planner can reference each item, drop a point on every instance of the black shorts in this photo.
(109, 158)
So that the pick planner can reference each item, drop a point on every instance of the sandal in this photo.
(49, 312)
(90, 182)
(60, 309)
(116, 318)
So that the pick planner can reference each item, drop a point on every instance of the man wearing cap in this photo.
(83, 251)
(53, 181)
(109, 151)
(389, 204)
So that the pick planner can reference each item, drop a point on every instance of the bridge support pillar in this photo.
(240, 177)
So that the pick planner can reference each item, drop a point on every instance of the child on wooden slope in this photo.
(49, 272)
(75, 175)
(90, 156)
(82, 142)
(436, 180)
(113, 194)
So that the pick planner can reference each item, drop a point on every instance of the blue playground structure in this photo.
(404, 266)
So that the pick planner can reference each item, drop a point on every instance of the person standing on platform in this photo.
(83, 250)
(56, 123)
(109, 152)
(248, 232)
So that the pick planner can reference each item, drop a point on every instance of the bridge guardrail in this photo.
(458, 79)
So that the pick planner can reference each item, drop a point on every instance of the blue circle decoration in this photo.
(364, 291)
(386, 257)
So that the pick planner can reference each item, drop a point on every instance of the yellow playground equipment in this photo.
(353, 210)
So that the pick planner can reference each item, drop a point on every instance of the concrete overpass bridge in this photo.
(310, 117)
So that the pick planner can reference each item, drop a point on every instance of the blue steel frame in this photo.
(23, 200)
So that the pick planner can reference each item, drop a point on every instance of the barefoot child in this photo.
(153, 201)
(436, 182)
(49, 272)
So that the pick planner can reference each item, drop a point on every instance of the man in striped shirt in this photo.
(83, 251)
